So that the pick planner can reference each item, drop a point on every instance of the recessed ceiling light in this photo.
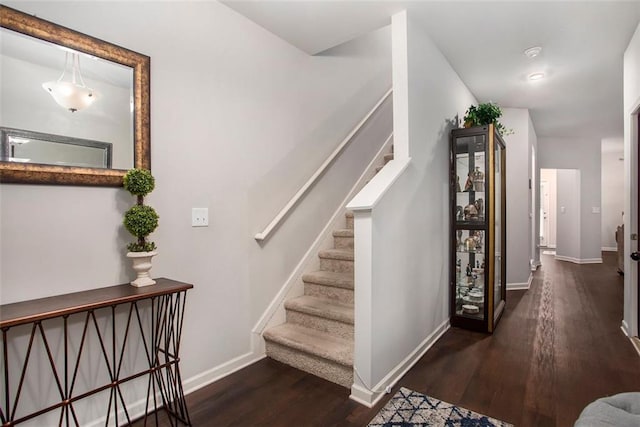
(532, 52)
(536, 76)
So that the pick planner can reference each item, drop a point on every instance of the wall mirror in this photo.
(75, 109)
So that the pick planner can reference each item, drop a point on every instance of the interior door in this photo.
(544, 213)
(635, 256)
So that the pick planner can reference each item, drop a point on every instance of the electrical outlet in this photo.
(200, 217)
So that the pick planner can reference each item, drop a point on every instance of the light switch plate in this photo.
(200, 217)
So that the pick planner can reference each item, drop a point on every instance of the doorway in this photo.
(548, 211)
(544, 213)
(631, 322)
(635, 135)
(559, 198)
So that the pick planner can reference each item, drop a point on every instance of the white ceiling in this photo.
(583, 44)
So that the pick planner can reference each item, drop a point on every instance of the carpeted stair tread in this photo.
(322, 307)
(330, 278)
(341, 254)
(345, 232)
(313, 342)
(388, 158)
(343, 239)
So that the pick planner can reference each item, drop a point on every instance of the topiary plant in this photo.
(139, 182)
(485, 114)
(140, 220)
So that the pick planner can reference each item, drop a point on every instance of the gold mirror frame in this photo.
(48, 174)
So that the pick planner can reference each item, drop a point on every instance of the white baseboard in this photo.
(609, 249)
(566, 258)
(634, 340)
(625, 327)
(535, 264)
(218, 372)
(520, 286)
(258, 346)
(578, 260)
(369, 398)
(591, 261)
(364, 396)
(636, 344)
(137, 409)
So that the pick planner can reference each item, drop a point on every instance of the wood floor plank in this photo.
(558, 347)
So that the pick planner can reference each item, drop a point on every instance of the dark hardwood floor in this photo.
(558, 347)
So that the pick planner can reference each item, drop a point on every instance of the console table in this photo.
(163, 302)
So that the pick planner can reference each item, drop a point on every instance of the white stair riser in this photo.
(337, 265)
(340, 242)
(330, 326)
(329, 370)
(330, 292)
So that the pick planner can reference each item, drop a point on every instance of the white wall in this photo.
(612, 190)
(631, 135)
(568, 231)
(520, 215)
(550, 176)
(406, 304)
(584, 155)
(239, 121)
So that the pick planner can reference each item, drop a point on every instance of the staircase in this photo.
(318, 334)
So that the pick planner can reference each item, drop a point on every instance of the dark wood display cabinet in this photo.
(478, 228)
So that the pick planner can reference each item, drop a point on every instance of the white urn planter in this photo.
(142, 265)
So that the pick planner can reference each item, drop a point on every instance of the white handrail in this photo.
(291, 203)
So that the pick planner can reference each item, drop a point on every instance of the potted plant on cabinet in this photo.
(141, 220)
(485, 114)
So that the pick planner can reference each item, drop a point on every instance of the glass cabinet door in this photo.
(470, 281)
(470, 168)
(499, 226)
(470, 239)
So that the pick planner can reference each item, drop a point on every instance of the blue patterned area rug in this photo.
(409, 408)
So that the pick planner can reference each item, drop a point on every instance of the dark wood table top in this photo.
(61, 305)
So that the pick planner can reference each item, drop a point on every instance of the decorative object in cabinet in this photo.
(478, 220)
